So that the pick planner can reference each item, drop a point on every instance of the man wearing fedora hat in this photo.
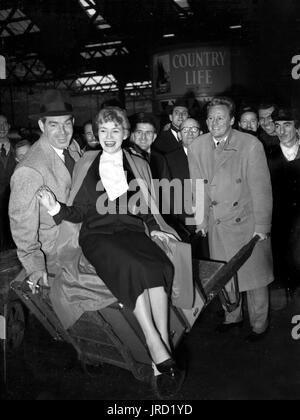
(49, 162)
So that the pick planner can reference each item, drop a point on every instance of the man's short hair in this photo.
(222, 100)
(88, 122)
(266, 105)
(245, 109)
(112, 114)
(145, 118)
(286, 114)
(180, 102)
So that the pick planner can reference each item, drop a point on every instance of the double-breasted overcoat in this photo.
(237, 201)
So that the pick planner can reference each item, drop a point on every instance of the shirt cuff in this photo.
(55, 211)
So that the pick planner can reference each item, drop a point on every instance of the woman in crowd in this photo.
(118, 243)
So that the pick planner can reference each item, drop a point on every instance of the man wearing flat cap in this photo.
(284, 164)
(49, 162)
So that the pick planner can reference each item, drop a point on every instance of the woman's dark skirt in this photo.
(129, 263)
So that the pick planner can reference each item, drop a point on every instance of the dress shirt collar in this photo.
(6, 145)
(217, 142)
(175, 134)
(117, 157)
(59, 152)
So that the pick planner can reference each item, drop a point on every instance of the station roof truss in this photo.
(92, 45)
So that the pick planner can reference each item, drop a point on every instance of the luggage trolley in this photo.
(112, 335)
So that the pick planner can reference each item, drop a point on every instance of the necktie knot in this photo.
(69, 161)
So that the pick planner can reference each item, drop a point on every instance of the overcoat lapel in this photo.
(56, 162)
(225, 152)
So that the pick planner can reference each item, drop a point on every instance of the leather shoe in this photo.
(254, 337)
(223, 328)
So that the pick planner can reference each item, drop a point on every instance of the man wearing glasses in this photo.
(179, 169)
(169, 140)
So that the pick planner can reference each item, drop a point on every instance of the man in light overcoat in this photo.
(49, 162)
(238, 206)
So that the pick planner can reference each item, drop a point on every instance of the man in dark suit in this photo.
(144, 134)
(179, 169)
(7, 166)
(284, 165)
(267, 133)
(169, 140)
(50, 162)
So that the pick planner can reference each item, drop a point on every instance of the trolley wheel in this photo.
(15, 325)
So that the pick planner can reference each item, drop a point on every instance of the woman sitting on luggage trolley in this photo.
(113, 235)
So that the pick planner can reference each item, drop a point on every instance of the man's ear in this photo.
(171, 117)
(154, 138)
(232, 121)
(41, 125)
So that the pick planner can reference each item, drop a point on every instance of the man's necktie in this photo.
(3, 152)
(69, 161)
(177, 131)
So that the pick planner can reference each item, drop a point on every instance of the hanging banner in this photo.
(204, 70)
(2, 68)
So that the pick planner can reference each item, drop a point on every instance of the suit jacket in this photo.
(6, 172)
(158, 166)
(285, 177)
(33, 229)
(179, 169)
(166, 142)
(237, 201)
(268, 141)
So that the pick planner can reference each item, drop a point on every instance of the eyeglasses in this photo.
(149, 134)
(194, 130)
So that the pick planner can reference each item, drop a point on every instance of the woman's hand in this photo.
(47, 198)
(163, 236)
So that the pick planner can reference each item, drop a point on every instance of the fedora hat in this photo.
(284, 114)
(53, 105)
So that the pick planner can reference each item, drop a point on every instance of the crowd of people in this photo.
(247, 159)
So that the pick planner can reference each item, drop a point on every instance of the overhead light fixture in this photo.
(235, 27)
(168, 36)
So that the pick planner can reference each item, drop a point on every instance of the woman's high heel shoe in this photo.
(170, 380)
(168, 367)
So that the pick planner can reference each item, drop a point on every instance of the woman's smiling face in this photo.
(111, 136)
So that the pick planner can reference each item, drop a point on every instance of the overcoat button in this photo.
(205, 181)
(238, 220)
(238, 181)
(218, 222)
(235, 204)
(214, 203)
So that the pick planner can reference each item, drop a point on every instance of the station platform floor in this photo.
(220, 366)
